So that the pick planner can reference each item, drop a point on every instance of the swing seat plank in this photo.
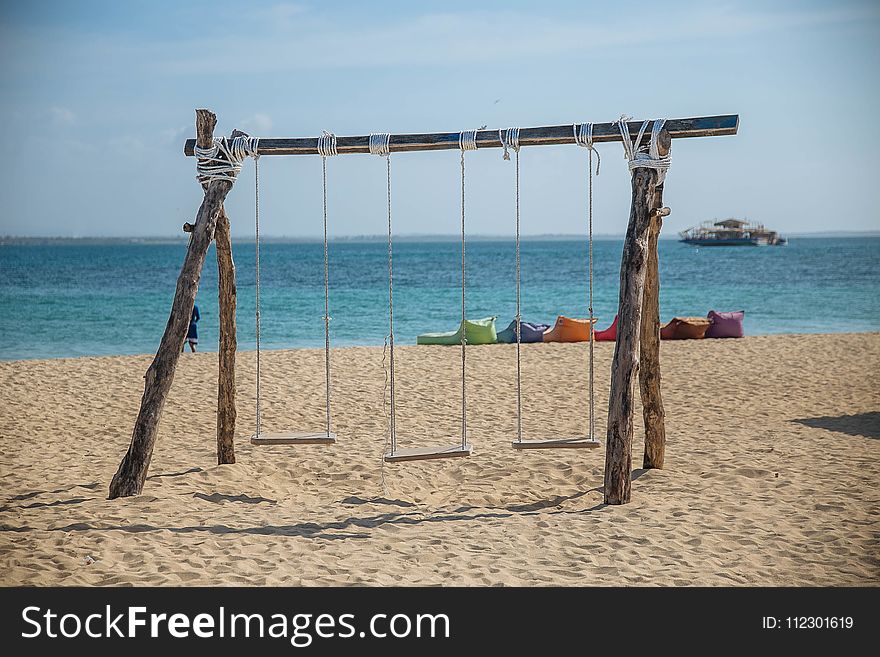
(557, 443)
(294, 438)
(428, 453)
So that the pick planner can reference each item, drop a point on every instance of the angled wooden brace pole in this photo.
(129, 478)
(634, 266)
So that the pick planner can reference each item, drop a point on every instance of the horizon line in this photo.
(6, 239)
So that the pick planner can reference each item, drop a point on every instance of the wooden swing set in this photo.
(637, 347)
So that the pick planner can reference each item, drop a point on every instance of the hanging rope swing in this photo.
(223, 161)
(583, 136)
(379, 144)
(326, 147)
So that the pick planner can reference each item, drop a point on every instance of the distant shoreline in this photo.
(96, 241)
(377, 346)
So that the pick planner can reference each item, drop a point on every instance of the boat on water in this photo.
(731, 232)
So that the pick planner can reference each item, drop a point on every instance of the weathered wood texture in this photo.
(294, 438)
(129, 478)
(226, 411)
(428, 453)
(621, 401)
(649, 355)
(702, 126)
(557, 443)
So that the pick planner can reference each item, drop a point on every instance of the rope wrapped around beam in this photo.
(641, 158)
(223, 160)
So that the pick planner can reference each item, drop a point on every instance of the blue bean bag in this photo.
(529, 332)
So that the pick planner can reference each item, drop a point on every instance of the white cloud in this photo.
(281, 13)
(256, 125)
(128, 144)
(312, 42)
(62, 116)
(174, 135)
(287, 37)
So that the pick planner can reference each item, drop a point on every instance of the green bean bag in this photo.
(477, 331)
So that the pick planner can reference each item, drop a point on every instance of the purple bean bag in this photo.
(725, 325)
(529, 332)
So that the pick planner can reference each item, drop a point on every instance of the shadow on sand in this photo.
(866, 425)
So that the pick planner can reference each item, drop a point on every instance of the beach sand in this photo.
(771, 473)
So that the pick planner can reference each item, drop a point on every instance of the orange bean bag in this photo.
(568, 329)
(685, 328)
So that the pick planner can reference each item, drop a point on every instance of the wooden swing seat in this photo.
(428, 453)
(557, 443)
(294, 438)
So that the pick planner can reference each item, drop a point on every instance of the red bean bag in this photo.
(607, 335)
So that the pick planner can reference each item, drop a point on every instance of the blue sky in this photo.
(97, 98)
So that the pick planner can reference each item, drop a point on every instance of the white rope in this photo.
(327, 144)
(380, 144)
(467, 141)
(640, 157)
(510, 140)
(385, 412)
(583, 136)
(326, 148)
(257, 277)
(223, 160)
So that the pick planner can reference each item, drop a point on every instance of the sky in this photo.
(97, 99)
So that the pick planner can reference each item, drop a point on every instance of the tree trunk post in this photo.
(129, 478)
(226, 412)
(621, 400)
(653, 413)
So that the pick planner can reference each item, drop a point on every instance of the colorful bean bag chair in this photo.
(725, 325)
(477, 331)
(685, 328)
(568, 329)
(528, 332)
(607, 335)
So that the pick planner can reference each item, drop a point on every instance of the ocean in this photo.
(69, 299)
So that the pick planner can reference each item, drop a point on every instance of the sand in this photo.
(771, 473)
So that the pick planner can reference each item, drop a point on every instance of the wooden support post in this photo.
(649, 354)
(129, 478)
(633, 268)
(226, 412)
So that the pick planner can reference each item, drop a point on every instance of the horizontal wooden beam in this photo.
(701, 126)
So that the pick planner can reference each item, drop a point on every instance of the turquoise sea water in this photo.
(71, 299)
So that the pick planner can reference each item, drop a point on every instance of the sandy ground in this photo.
(771, 472)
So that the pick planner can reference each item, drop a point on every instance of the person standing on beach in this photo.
(192, 336)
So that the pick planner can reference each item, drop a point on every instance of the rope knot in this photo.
(645, 157)
(467, 140)
(327, 144)
(583, 136)
(509, 140)
(223, 159)
(380, 144)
